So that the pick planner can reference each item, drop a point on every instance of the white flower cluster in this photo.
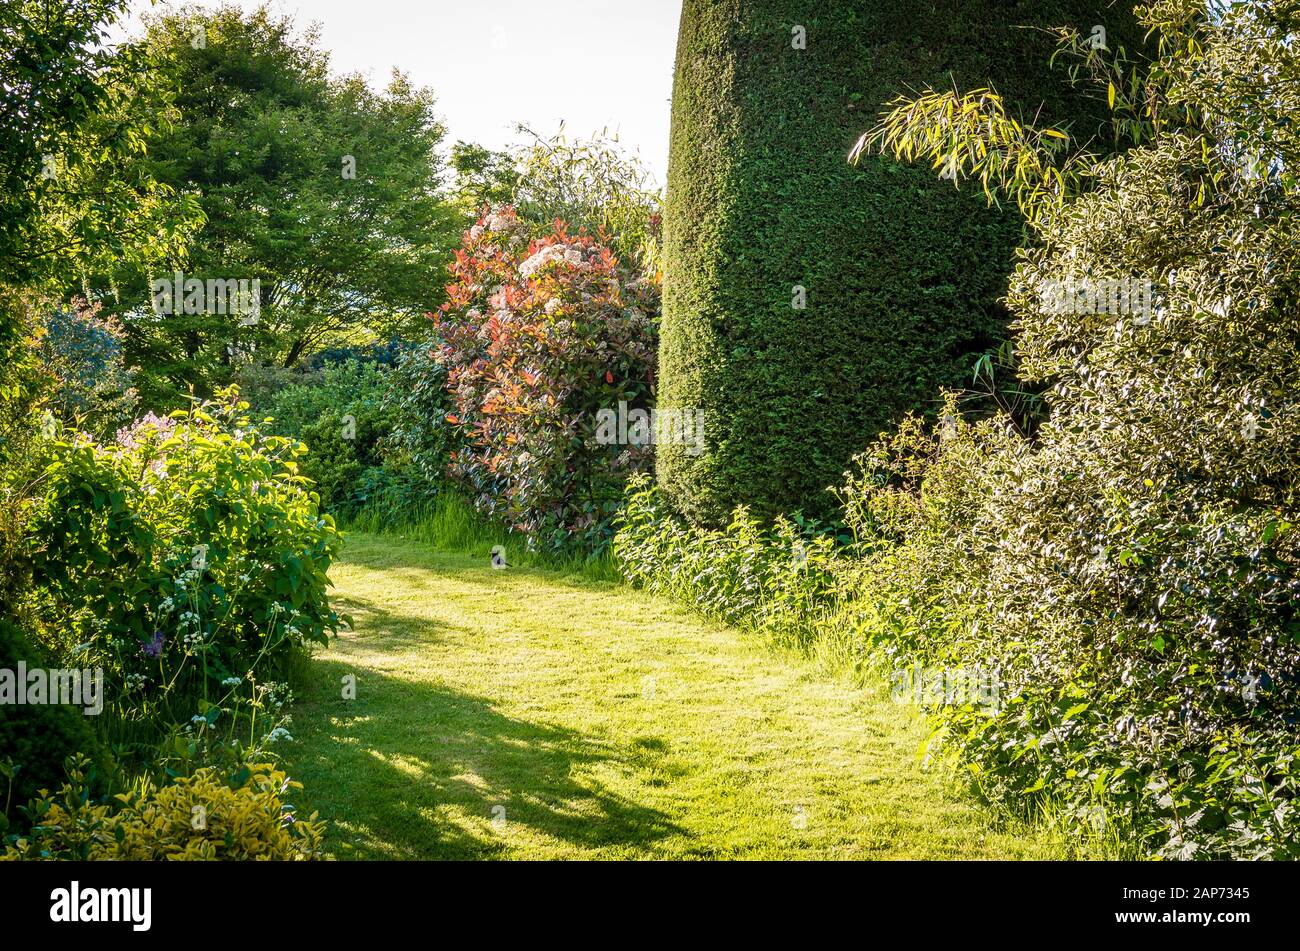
(282, 700)
(497, 223)
(548, 254)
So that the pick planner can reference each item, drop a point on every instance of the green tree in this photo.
(589, 183)
(808, 303)
(324, 191)
(484, 178)
(74, 118)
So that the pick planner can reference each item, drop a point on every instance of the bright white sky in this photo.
(593, 63)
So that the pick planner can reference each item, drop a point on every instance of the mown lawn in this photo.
(525, 714)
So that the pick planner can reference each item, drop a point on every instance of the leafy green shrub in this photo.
(777, 578)
(258, 383)
(983, 552)
(350, 386)
(537, 338)
(341, 413)
(1133, 572)
(195, 818)
(182, 557)
(902, 274)
(422, 439)
(35, 739)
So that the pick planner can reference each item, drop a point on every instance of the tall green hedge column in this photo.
(809, 303)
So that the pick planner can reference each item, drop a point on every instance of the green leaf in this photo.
(1073, 712)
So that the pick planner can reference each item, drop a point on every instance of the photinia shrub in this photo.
(536, 337)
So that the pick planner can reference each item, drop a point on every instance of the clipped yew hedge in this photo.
(902, 272)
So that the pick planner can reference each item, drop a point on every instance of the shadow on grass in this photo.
(382, 629)
(390, 628)
(422, 771)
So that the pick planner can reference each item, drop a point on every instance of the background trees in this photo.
(75, 117)
(900, 273)
(325, 191)
(73, 197)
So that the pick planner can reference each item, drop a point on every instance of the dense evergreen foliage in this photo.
(902, 273)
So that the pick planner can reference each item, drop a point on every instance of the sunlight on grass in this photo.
(530, 714)
(450, 524)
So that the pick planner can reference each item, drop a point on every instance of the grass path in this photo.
(525, 714)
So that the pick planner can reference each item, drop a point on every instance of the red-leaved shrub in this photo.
(537, 337)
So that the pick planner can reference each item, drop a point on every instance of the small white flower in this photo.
(1250, 427)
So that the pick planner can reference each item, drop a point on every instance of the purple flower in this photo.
(148, 426)
(154, 647)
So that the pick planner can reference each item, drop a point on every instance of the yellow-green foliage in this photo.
(196, 818)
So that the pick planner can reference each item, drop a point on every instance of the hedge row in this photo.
(902, 272)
